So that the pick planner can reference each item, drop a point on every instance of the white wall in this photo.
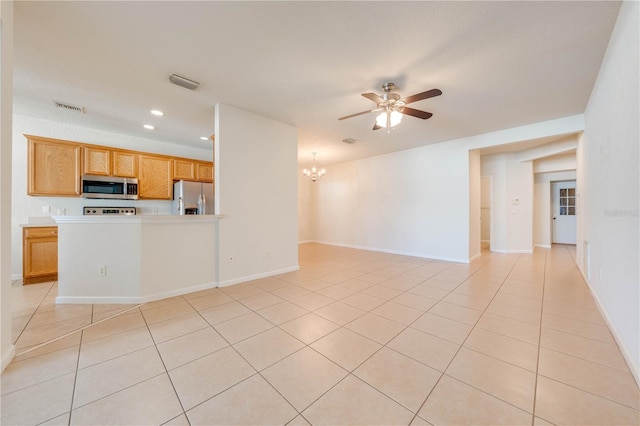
(7, 350)
(609, 184)
(512, 207)
(146, 257)
(417, 202)
(257, 192)
(413, 202)
(25, 207)
(485, 208)
(542, 205)
(556, 163)
(306, 205)
(475, 194)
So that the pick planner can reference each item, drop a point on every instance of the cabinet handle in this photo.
(54, 232)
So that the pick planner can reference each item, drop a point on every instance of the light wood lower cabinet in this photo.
(39, 254)
(156, 177)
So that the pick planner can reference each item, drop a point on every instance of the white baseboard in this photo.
(402, 253)
(306, 242)
(547, 246)
(99, 300)
(16, 277)
(474, 257)
(258, 276)
(512, 251)
(8, 357)
(635, 369)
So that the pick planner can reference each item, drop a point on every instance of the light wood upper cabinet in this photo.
(204, 172)
(156, 177)
(39, 254)
(97, 161)
(53, 167)
(125, 164)
(184, 169)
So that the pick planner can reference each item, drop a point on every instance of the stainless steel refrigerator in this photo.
(193, 198)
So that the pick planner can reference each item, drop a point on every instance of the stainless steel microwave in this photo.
(109, 187)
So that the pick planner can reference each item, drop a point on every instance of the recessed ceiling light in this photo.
(204, 138)
(157, 112)
(149, 126)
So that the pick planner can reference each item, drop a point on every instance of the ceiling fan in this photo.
(393, 107)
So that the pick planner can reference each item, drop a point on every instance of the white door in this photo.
(563, 205)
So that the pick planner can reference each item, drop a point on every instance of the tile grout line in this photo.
(33, 313)
(584, 359)
(40, 345)
(245, 360)
(535, 385)
(75, 379)
(166, 371)
(462, 345)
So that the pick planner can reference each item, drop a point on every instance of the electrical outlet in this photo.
(102, 270)
(46, 209)
(230, 259)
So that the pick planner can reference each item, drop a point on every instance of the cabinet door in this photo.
(40, 254)
(125, 164)
(156, 180)
(183, 169)
(53, 167)
(204, 172)
(97, 161)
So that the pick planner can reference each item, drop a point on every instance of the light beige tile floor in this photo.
(354, 337)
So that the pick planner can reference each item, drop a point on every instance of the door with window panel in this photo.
(564, 212)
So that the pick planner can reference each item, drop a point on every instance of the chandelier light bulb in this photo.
(314, 173)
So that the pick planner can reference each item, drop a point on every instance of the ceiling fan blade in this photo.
(373, 97)
(356, 114)
(376, 127)
(359, 113)
(424, 95)
(415, 112)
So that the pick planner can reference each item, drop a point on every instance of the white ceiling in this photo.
(499, 65)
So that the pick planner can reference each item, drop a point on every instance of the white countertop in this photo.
(39, 222)
(138, 219)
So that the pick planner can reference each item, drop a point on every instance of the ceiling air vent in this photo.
(349, 141)
(183, 82)
(69, 107)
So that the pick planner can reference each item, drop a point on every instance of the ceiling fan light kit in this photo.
(314, 174)
(393, 106)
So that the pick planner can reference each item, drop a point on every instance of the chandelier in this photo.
(314, 174)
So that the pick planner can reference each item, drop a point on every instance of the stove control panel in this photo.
(113, 211)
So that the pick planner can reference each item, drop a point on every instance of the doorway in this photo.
(563, 212)
(485, 212)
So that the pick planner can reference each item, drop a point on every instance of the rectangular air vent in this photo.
(69, 107)
(185, 82)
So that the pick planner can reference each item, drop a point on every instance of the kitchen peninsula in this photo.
(135, 259)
